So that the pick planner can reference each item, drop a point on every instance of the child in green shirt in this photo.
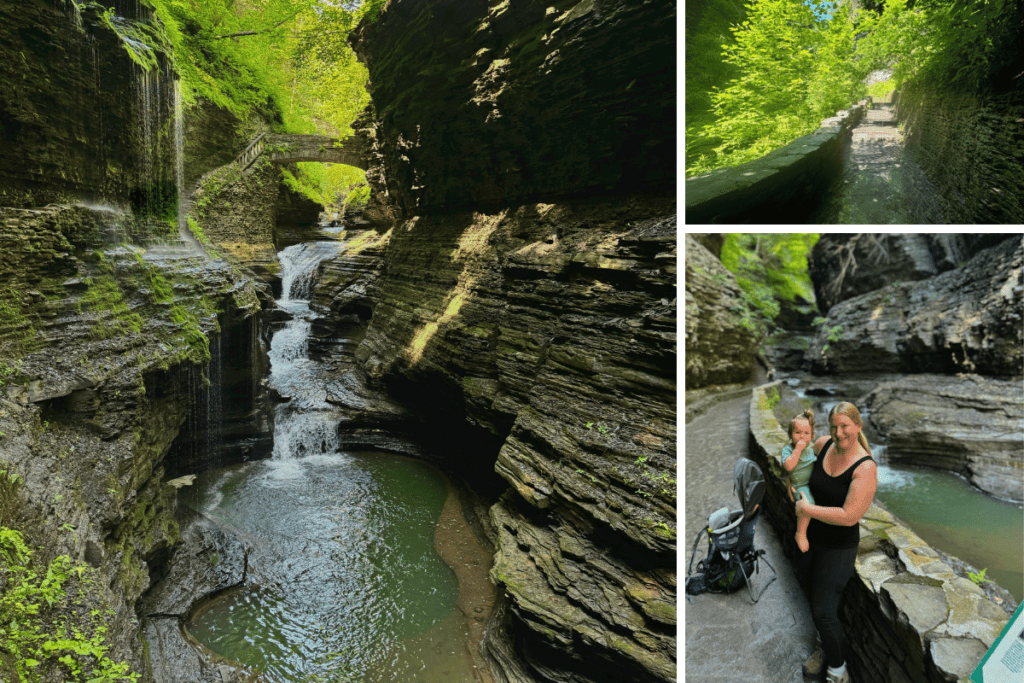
(798, 459)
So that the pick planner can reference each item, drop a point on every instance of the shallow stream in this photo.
(343, 580)
(951, 514)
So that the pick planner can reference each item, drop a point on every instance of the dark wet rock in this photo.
(100, 379)
(213, 137)
(712, 241)
(458, 122)
(343, 294)
(719, 348)
(789, 353)
(176, 660)
(969, 425)
(237, 212)
(844, 265)
(558, 581)
(73, 115)
(297, 219)
(964, 320)
(207, 560)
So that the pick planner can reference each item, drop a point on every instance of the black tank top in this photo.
(831, 492)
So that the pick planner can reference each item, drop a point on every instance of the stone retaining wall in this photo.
(909, 617)
(237, 211)
(780, 187)
(970, 147)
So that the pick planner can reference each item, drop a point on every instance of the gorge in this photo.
(490, 343)
(921, 333)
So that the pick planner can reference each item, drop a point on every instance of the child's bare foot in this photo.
(801, 542)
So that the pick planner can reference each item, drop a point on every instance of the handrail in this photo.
(250, 154)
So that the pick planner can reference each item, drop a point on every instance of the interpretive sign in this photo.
(1004, 661)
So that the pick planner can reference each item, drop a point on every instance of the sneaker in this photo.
(814, 664)
(840, 678)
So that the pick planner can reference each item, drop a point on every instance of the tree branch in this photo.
(255, 33)
(240, 33)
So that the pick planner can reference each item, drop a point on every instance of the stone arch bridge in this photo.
(286, 149)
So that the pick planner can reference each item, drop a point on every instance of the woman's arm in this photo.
(858, 499)
(820, 443)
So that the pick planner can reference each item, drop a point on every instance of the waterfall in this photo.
(299, 264)
(179, 156)
(305, 425)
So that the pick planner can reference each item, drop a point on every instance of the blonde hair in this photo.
(806, 415)
(850, 411)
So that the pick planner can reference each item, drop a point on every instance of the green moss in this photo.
(300, 187)
(106, 298)
(18, 335)
(661, 611)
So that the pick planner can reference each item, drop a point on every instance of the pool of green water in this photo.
(344, 583)
(948, 513)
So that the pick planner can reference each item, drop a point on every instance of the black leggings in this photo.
(825, 571)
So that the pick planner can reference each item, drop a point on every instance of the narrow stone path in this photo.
(728, 639)
(881, 183)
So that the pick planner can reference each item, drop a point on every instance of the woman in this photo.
(843, 485)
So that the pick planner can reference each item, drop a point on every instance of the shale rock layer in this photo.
(968, 319)
(484, 104)
(87, 107)
(103, 349)
(551, 330)
(720, 349)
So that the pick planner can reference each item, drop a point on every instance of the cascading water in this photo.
(305, 425)
(344, 581)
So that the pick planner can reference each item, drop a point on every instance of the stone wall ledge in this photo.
(781, 186)
(909, 617)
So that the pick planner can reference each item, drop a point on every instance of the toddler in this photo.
(798, 459)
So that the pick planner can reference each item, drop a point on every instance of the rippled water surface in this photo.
(949, 513)
(343, 563)
(343, 582)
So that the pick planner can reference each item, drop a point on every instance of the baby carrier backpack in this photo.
(731, 559)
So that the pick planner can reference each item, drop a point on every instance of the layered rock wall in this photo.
(87, 108)
(843, 266)
(235, 211)
(551, 328)
(908, 615)
(104, 347)
(970, 425)
(968, 319)
(970, 146)
(522, 163)
(720, 349)
(497, 104)
(956, 327)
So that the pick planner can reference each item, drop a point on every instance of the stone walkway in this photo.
(728, 639)
(881, 183)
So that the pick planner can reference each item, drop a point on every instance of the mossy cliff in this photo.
(524, 305)
(87, 106)
(104, 350)
(113, 334)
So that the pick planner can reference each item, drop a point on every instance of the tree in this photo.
(770, 268)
